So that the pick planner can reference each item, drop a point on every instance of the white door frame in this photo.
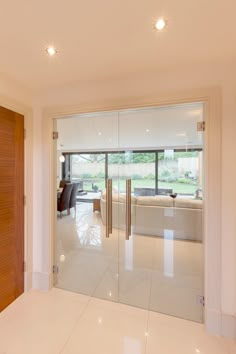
(27, 112)
(212, 209)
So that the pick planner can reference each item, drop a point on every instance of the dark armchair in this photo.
(63, 202)
(73, 195)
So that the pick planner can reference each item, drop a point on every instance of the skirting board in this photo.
(28, 280)
(228, 326)
(41, 281)
(220, 324)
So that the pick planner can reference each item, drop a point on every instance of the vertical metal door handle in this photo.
(108, 207)
(128, 208)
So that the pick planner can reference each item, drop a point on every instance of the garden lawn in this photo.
(185, 188)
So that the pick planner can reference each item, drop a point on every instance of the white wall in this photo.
(153, 86)
(38, 191)
(14, 91)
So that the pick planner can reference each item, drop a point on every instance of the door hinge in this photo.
(55, 269)
(24, 199)
(24, 266)
(201, 300)
(24, 133)
(55, 135)
(201, 126)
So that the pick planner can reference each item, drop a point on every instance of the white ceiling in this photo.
(107, 39)
(166, 127)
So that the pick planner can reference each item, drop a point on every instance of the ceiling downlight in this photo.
(160, 24)
(51, 51)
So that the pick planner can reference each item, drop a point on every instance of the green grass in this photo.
(175, 186)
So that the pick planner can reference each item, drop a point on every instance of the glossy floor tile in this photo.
(107, 328)
(39, 323)
(62, 322)
(167, 334)
(160, 274)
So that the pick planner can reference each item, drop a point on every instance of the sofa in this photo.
(158, 216)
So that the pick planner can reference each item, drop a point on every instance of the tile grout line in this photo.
(74, 326)
(149, 299)
(100, 280)
(147, 331)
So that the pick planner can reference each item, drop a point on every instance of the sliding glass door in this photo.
(135, 235)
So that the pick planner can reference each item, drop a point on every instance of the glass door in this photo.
(161, 265)
(135, 261)
(108, 287)
(86, 254)
(134, 234)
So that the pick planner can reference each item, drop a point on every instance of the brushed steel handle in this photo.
(128, 208)
(108, 207)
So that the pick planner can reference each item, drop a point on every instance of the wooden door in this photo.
(11, 206)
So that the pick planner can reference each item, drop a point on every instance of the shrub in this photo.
(165, 173)
(136, 176)
(169, 179)
(149, 176)
(86, 175)
(184, 180)
(101, 175)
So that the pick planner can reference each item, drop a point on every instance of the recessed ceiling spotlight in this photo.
(51, 51)
(160, 24)
(99, 133)
(147, 130)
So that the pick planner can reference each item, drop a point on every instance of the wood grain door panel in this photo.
(11, 206)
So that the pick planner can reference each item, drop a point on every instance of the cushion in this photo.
(116, 197)
(188, 203)
(165, 201)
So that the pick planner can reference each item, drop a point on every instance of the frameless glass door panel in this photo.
(161, 266)
(93, 132)
(85, 255)
(110, 216)
(161, 127)
(135, 261)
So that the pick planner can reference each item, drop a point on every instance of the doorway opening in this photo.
(142, 167)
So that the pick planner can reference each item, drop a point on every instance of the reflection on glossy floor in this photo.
(62, 322)
(162, 275)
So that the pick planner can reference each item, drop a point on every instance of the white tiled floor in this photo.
(163, 275)
(62, 322)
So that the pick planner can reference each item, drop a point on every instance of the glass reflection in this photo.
(88, 233)
(168, 253)
(90, 236)
(129, 249)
